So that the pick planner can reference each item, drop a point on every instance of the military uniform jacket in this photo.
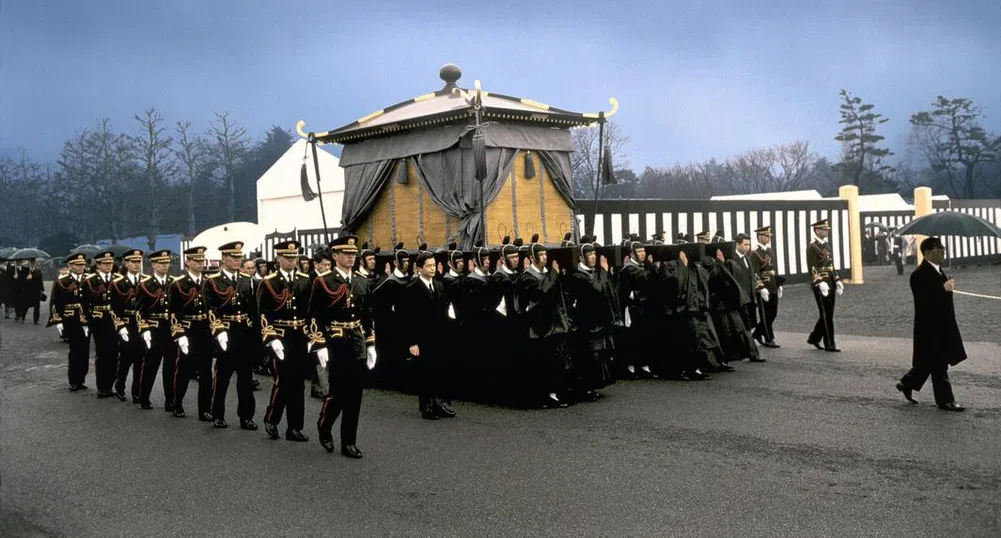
(283, 305)
(231, 302)
(338, 310)
(123, 301)
(821, 263)
(68, 304)
(98, 298)
(151, 303)
(187, 306)
(764, 259)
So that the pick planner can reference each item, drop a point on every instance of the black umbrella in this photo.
(875, 224)
(29, 253)
(86, 250)
(950, 223)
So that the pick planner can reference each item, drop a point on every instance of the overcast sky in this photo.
(695, 80)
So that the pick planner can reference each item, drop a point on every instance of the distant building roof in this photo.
(790, 195)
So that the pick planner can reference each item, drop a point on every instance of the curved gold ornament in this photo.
(299, 129)
(615, 108)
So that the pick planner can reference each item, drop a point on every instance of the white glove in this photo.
(840, 286)
(182, 343)
(323, 356)
(124, 333)
(825, 289)
(223, 339)
(764, 294)
(86, 331)
(59, 327)
(370, 361)
(148, 338)
(779, 294)
(278, 348)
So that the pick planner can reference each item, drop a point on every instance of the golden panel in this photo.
(500, 221)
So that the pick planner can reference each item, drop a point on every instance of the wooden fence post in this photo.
(922, 207)
(850, 193)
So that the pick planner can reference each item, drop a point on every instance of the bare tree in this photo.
(152, 148)
(584, 159)
(954, 143)
(229, 147)
(192, 154)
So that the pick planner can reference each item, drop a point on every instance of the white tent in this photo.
(791, 195)
(280, 206)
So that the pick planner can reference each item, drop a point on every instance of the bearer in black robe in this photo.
(476, 309)
(452, 284)
(593, 342)
(546, 323)
(386, 312)
(725, 303)
(697, 342)
(636, 286)
(508, 328)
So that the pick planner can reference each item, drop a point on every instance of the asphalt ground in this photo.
(807, 444)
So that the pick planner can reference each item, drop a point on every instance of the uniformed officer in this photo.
(189, 328)
(154, 329)
(283, 303)
(103, 321)
(68, 315)
(343, 336)
(130, 349)
(825, 283)
(767, 274)
(232, 306)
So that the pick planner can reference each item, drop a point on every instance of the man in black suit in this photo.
(937, 342)
(425, 326)
(31, 291)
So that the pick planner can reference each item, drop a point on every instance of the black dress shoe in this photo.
(430, 415)
(814, 343)
(771, 343)
(104, 394)
(74, 387)
(327, 444)
(248, 425)
(168, 408)
(445, 411)
(136, 400)
(220, 423)
(81, 386)
(205, 417)
(952, 406)
(257, 384)
(351, 451)
(178, 411)
(699, 376)
(271, 430)
(906, 392)
(296, 435)
(121, 397)
(146, 405)
(833, 349)
(757, 359)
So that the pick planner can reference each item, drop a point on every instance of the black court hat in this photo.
(324, 254)
(288, 249)
(347, 244)
(195, 253)
(234, 249)
(160, 256)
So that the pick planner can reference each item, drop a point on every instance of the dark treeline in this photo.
(154, 177)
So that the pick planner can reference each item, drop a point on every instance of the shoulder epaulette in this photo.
(176, 278)
(145, 278)
(214, 275)
(119, 277)
(272, 275)
(300, 273)
(64, 276)
(89, 276)
(323, 274)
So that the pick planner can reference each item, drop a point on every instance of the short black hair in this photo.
(422, 257)
(931, 243)
(741, 238)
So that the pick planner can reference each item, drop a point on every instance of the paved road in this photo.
(807, 444)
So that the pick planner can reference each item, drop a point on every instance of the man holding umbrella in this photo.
(30, 290)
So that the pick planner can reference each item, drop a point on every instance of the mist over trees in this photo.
(158, 176)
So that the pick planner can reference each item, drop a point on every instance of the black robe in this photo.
(387, 316)
(546, 324)
(594, 307)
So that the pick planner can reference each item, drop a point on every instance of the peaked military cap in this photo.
(104, 256)
(195, 253)
(160, 256)
(234, 249)
(76, 259)
(824, 224)
(134, 255)
(288, 249)
(347, 244)
(764, 230)
(702, 235)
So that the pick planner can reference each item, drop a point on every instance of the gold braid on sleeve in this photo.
(267, 330)
(175, 327)
(315, 335)
(215, 324)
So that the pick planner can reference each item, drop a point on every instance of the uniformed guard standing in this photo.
(154, 330)
(103, 321)
(767, 274)
(189, 328)
(232, 307)
(130, 349)
(825, 283)
(283, 303)
(343, 336)
(68, 314)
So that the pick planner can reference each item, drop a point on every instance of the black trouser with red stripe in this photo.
(130, 356)
(197, 361)
(239, 357)
(161, 346)
(290, 374)
(346, 371)
(824, 329)
(106, 351)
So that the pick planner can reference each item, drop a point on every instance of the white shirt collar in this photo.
(632, 261)
(345, 276)
(452, 273)
(504, 268)
(196, 278)
(427, 282)
(362, 271)
(398, 274)
(229, 275)
(935, 265)
(479, 271)
(531, 267)
(583, 267)
(160, 279)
